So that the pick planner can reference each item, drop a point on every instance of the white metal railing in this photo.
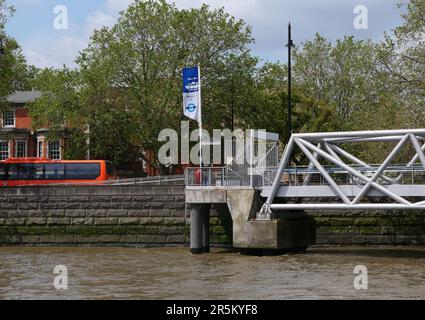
(296, 176)
(156, 180)
(217, 177)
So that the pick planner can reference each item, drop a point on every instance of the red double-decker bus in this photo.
(35, 171)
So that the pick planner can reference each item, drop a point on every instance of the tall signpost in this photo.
(192, 108)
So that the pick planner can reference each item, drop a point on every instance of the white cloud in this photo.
(269, 19)
(60, 48)
(117, 5)
(97, 20)
(56, 52)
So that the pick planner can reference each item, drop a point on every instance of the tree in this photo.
(59, 108)
(344, 75)
(352, 78)
(14, 72)
(233, 92)
(5, 12)
(269, 105)
(406, 63)
(411, 41)
(131, 74)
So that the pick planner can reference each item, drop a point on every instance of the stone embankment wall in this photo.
(98, 215)
(155, 216)
(371, 228)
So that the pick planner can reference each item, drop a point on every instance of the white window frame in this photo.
(8, 148)
(40, 153)
(14, 119)
(25, 150)
(60, 150)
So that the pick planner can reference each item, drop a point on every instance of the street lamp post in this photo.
(1, 47)
(2, 52)
(290, 45)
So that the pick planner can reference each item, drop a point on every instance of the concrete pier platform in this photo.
(290, 231)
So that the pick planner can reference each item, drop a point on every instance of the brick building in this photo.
(17, 137)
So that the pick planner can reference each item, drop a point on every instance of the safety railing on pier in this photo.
(299, 176)
(157, 180)
(216, 177)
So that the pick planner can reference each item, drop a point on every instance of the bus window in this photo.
(82, 171)
(30, 171)
(25, 171)
(38, 173)
(54, 171)
(13, 172)
(3, 171)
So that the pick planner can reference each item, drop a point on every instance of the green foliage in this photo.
(232, 91)
(6, 11)
(364, 82)
(128, 84)
(61, 109)
(14, 72)
(408, 64)
(344, 75)
(269, 109)
(132, 73)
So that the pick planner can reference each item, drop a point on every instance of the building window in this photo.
(54, 150)
(21, 149)
(4, 150)
(9, 119)
(40, 149)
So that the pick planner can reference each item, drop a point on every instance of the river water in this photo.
(127, 273)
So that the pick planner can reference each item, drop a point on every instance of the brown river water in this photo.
(127, 273)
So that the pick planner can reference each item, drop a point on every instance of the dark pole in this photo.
(1, 47)
(290, 45)
(233, 116)
(233, 119)
(233, 106)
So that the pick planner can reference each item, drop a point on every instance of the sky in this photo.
(46, 46)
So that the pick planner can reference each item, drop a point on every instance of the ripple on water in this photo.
(125, 273)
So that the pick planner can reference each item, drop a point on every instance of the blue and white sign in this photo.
(192, 93)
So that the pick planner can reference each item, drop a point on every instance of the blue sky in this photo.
(44, 46)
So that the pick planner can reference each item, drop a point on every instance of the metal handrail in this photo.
(223, 176)
(159, 180)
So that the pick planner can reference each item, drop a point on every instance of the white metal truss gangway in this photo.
(338, 180)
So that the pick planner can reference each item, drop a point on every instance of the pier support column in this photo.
(196, 229)
(200, 228)
(206, 228)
